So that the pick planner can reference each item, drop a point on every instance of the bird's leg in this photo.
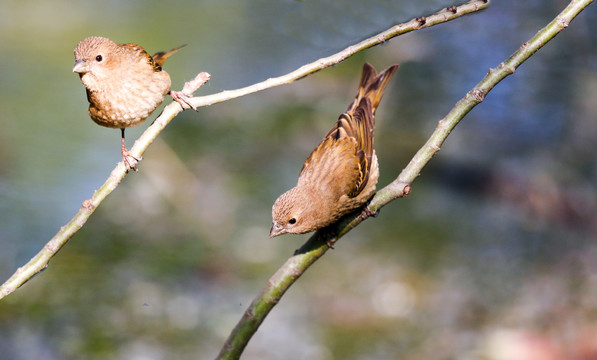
(329, 233)
(329, 244)
(367, 212)
(127, 157)
(370, 213)
(183, 99)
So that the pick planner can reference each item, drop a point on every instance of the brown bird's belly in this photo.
(127, 105)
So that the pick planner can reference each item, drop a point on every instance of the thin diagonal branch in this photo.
(317, 245)
(40, 261)
(442, 16)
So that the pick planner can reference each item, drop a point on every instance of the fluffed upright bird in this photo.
(124, 84)
(341, 173)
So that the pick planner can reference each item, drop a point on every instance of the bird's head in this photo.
(297, 211)
(94, 58)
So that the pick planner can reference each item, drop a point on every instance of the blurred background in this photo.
(493, 255)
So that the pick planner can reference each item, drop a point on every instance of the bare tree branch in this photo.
(317, 245)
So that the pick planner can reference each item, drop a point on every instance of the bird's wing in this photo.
(141, 54)
(344, 156)
(334, 166)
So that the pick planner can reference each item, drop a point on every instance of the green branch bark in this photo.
(317, 245)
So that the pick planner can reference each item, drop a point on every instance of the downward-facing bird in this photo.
(124, 84)
(341, 173)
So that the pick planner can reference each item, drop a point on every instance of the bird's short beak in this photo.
(276, 230)
(80, 67)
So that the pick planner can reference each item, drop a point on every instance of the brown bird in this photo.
(341, 173)
(124, 84)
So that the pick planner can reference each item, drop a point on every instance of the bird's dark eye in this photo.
(292, 221)
(98, 58)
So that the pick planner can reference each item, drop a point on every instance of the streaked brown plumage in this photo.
(341, 173)
(124, 83)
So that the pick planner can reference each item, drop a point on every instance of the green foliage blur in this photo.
(491, 256)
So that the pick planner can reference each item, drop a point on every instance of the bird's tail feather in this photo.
(160, 57)
(372, 86)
